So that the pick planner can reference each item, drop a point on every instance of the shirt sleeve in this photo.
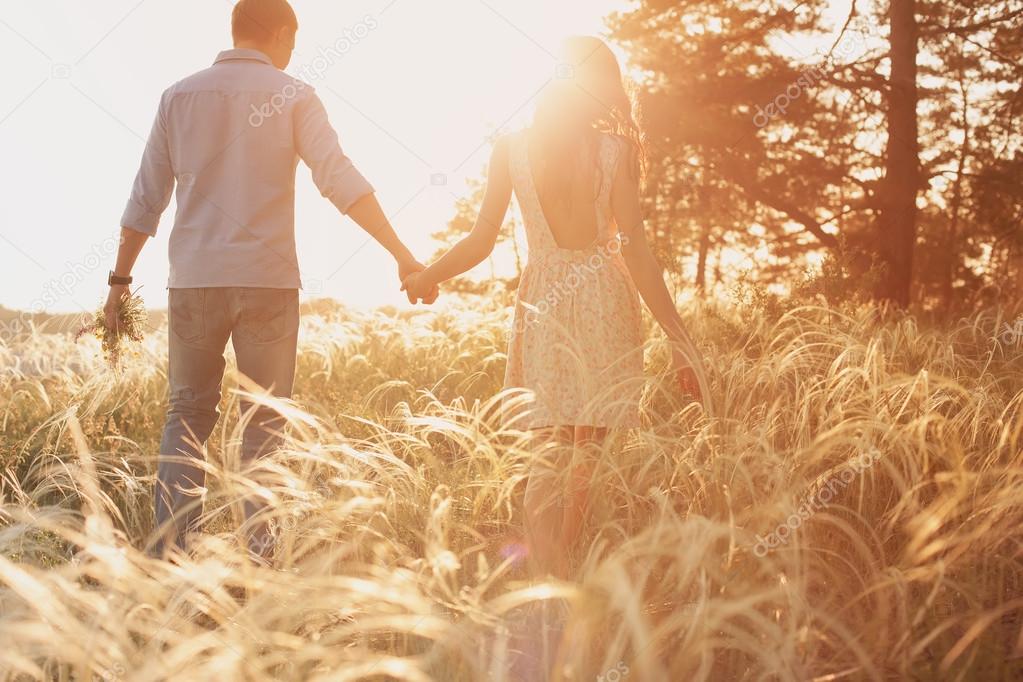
(317, 143)
(154, 183)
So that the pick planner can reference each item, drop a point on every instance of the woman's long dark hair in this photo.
(589, 95)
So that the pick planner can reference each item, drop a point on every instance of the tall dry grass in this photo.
(397, 498)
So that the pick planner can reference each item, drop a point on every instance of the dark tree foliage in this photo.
(895, 144)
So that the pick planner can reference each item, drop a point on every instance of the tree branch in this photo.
(930, 29)
(778, 203)
(845, 27)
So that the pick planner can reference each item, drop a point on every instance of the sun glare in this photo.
(416, 90)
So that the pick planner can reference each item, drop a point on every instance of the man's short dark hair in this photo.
(261, 19)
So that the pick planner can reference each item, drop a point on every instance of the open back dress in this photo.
(576, 346)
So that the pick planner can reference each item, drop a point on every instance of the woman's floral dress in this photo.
(576, 347)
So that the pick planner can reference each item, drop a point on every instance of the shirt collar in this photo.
(244, 55)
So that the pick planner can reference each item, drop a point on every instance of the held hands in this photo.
(419, 288)
(414, 285)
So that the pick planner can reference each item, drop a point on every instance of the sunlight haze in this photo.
(414, 90)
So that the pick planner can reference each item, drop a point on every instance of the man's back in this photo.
(231, 136)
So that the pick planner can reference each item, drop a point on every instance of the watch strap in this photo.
(113, 279)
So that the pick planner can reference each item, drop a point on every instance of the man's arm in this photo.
(154, 183)
(368, 214)
(150, 195)
(127, 253)
(340, 181)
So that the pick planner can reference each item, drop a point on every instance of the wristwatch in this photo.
(113, 279)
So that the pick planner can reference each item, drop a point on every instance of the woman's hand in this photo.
(685, 375)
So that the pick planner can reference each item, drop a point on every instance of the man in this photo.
(231, 137)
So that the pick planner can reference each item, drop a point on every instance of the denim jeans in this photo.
(262, 325)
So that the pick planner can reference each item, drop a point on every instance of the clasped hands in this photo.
(416, 285)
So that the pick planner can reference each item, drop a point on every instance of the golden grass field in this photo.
(398, 501)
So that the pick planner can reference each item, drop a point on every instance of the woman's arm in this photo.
(648, 276)
(475, 247)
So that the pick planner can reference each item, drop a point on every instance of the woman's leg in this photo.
(555, 504)
(587, 441)
(543, 503)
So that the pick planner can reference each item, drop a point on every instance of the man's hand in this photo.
(112, 307)
(409, 267)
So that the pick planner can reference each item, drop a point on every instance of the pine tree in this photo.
(760, 148)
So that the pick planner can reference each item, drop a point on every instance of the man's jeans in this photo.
(263, 327)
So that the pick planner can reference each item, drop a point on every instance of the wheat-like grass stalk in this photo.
(397, 496)
(132, 321)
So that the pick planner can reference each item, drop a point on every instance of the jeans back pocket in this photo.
(187, 309)
(267, 315)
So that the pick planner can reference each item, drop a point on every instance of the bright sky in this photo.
(419, 88)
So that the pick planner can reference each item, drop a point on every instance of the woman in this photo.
(576, 347)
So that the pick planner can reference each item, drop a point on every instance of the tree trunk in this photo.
(701, 263)
(1014, 286)
(897, 220)
(951, 251)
